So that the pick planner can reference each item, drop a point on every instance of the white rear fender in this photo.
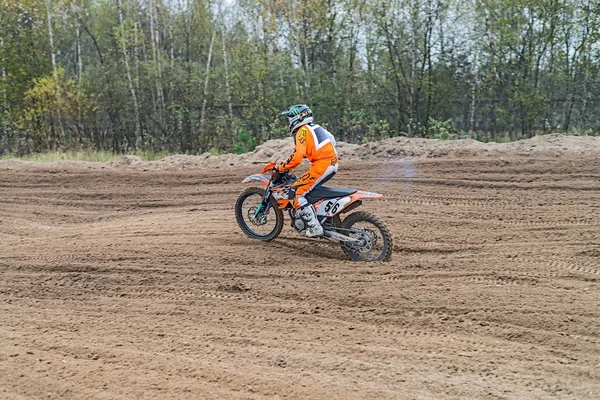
(365, 195)
(332, 207)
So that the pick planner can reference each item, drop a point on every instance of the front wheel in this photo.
(255, 221)
(374, 237)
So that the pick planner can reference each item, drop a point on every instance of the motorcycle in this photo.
(362, 235)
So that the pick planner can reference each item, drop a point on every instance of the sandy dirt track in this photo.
(118, 284)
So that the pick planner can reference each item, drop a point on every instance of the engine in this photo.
(297, 221)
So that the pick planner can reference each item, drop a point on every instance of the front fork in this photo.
(264, 204)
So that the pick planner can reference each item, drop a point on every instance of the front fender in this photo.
(262, 179)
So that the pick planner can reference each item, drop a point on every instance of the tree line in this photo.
(199, 75)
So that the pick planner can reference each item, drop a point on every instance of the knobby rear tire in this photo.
(388, 245)
(242, 221)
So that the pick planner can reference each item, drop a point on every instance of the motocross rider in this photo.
(318, 146)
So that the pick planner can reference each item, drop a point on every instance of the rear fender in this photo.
(333, 207)
(262, 179)
(364, 195)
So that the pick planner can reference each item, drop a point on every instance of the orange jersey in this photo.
(313, 142)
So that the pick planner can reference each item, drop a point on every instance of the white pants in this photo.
(329, 172)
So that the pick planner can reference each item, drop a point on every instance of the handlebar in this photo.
(278, 178)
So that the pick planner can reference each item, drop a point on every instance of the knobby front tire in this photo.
(241, 219)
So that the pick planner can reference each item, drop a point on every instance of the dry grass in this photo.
(89, 156)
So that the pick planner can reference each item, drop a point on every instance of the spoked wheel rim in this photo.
(261, 224)
(371, 244)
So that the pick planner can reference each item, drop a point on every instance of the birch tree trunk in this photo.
(78, 46)
(303, 53)
(4, 115)
(584, 95)
(79, 124)
(136, 55)
(306, 74)
(172, 59)
(154, 34)
(472, 110)
(202, 140)
(139, 140)
(55, 75)
(51, 38)
(227, 87)
(145, 57)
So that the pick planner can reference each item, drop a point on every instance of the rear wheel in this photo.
(264, 225)
(375, 239)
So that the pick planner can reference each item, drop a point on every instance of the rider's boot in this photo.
(309, 216)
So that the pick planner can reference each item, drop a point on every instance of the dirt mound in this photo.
(398, 148)
(415, 148)
(128, 160)
(547, 145)
(269, 151)
(15, 164)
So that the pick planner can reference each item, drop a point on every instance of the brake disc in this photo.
(367, 240)
(260, 219)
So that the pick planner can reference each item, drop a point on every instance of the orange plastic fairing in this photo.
(269, 167)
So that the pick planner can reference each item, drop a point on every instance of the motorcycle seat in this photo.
(323, 193)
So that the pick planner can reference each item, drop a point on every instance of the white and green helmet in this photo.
(298, 115)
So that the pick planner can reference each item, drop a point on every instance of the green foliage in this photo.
(443, 130)
(244, 141)
(358, 126)
(52, 103)
(369, 70)
(592, 131)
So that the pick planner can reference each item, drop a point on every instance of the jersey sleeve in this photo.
(299, 152)
(331, 137)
